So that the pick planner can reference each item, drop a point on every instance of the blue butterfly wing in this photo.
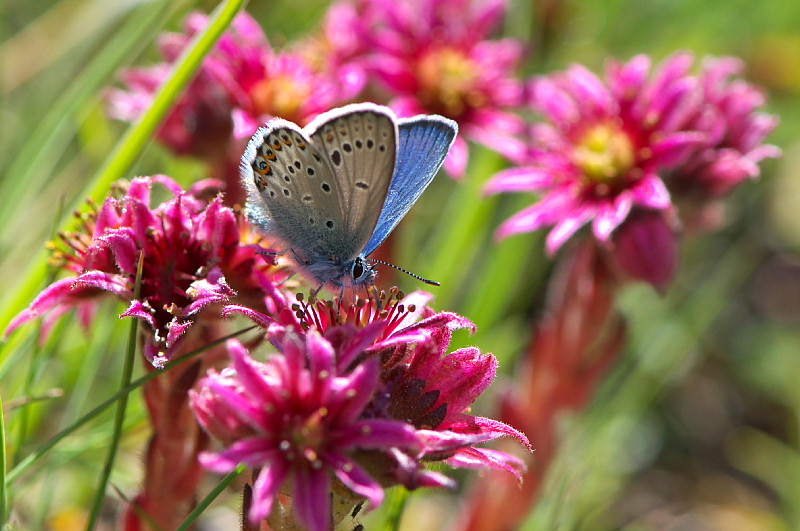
(423, 144)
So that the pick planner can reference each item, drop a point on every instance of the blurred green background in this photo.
(697, 426)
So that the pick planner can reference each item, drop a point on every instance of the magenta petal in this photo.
(266, 488)
(554, 102)
(377, 433)
(492, 429)
(212, 288)
(53, 295)
(355, 391)
(609, 216)
(116, 284)
(248, 374)
(651, 192)
(646, 248)
(251, 452)
(567, 227)
(311, 500)
(259, 318)
(627, 79)
(176, 328)
(482, 458)
(357, 480)
(675, 148)
(545, 212)
(526, 179)
(589, 90)
(463, 376)
(418, 300)
(244, 125)
(141, 310)
(456, 161)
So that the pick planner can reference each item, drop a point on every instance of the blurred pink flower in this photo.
(605, 146)
(339, 49)
(736, 130)
(434, 57)
(192, 259)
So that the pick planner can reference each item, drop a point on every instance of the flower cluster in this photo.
(615, 152)
(356, 396)
(192, 257)
(431, 57)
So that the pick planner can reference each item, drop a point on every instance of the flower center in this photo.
(377, 306)
(448, 81)
(282, 96)
(605, 153)
(307, 437)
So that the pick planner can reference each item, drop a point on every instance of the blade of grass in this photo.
(396, 506)
(129, 147)
(42, 451)
(3, 478)
(122, 405)
(203, 505)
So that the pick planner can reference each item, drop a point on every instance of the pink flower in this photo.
(420, 382)
(285, 85)
(192, 259)
(735, 144)
(605, 146)
(302, 421)
(434, 57)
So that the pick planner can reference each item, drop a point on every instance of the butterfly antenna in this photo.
(425, 280)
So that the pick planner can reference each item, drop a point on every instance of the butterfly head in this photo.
(337, 274)
(361, 272)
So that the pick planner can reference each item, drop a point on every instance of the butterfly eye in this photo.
(358, 268)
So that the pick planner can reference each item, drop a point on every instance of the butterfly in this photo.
(333, 191)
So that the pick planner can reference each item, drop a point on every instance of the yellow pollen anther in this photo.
(605, 153)
(280, 96)
(447, 80)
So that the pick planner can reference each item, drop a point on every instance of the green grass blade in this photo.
(3, 505)
(205, 502)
